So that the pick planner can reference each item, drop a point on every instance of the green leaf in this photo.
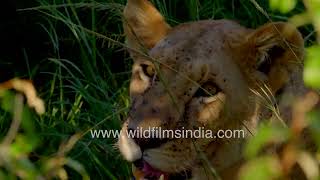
(266, 134)
(312, 67)
(7, 99)
(22, 145)
(28, 125)
(262, 168)
(284, 6)
(313, 118)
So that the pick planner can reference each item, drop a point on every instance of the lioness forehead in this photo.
(198, 40)
(190, 47)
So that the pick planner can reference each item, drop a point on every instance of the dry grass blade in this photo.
(18, 106)
(266, 99)
(27, 88)
(300, 110)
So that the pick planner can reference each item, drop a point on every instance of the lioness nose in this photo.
(144, 140)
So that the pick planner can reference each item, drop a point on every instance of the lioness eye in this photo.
(148, 70)
(207, 89)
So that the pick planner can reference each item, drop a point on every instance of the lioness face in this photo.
(199, 74)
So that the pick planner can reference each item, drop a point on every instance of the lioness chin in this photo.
(202, 74)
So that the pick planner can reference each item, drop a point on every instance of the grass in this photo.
(82, 72)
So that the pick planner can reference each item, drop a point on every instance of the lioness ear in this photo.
(143, 25)
(278, 51)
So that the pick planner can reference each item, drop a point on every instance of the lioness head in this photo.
(199, 74)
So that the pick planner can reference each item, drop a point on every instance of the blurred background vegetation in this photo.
(72, 52)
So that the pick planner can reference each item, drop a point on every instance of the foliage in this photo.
(291, 144)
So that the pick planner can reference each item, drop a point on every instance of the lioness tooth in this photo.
(161, 177)
(133, 168)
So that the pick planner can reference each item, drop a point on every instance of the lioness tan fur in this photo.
(230, 64)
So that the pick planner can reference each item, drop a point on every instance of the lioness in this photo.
(202, 74)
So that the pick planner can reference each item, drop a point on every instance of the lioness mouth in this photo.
(143, 170)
